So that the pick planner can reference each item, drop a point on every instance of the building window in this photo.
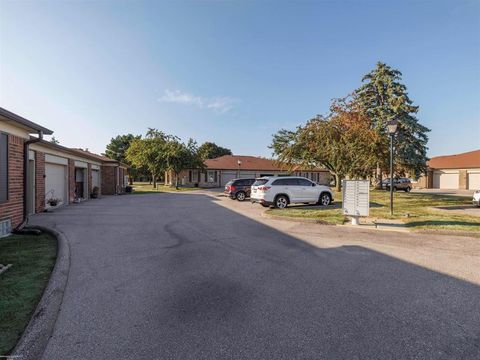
(3, 167)
(211, 176)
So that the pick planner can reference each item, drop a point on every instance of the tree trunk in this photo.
(176, 181)
(378, 178)
(154, 178)
(338, 182)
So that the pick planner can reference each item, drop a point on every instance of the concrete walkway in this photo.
(191, 276)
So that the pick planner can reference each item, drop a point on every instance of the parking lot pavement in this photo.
(436, 252)
(191, 276)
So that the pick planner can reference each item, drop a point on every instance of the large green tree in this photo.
(118, 146)
(383, 98)
(342, 142)
(210, 150)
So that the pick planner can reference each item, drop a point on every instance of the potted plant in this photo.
(95, 192)
(53, 202)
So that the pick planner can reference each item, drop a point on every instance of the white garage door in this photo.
(55, 182)
(247, 175)
(96, 178)
(445, 180)
(474, 180)
(226, 176)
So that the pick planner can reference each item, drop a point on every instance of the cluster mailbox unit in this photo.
(356, 199)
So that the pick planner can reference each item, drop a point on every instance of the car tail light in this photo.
(232, 188)
(263, 188)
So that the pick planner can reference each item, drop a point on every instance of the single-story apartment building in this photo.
(217, 172)
(459, 171)
(114, 177)
(35, 173)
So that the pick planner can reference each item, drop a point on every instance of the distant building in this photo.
(219, 171)
(460, 171)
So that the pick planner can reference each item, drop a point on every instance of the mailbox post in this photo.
(356, 199)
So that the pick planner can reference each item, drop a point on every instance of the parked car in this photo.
(404, 184)
(476, 198)
(280, 191)
(239, 188)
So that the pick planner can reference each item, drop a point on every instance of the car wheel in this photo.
(241, 196)
(281, 202)
(325, 199)
(408, 189)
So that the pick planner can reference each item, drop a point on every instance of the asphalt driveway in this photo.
(179, 276)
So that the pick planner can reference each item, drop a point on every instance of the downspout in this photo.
(26, 146)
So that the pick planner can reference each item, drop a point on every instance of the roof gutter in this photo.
(26, 147)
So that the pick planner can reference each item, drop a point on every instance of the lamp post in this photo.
(239, 163)
(392, 129)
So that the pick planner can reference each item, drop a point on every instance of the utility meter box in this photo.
(356, 198)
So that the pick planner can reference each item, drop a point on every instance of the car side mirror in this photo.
(313, 184)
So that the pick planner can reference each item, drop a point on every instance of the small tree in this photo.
(180, 156)
(149, 153)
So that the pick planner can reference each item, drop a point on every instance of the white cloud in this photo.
(221, 104)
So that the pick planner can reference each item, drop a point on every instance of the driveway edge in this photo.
(36, 335)
(297, 219)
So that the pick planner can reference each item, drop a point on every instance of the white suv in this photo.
(280, 191)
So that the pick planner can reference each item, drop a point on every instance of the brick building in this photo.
(459, 171)
(219, 171)
(36, 174)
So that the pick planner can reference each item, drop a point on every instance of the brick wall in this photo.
(89, 179)
(39, 181)
(13, 208)
(462, 179)
(108, 180)
(71, 180)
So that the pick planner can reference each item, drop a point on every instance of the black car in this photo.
(238, 188)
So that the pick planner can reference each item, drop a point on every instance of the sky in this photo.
(233, 72)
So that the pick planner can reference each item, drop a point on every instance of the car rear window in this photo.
(260, 182)
(286, 181)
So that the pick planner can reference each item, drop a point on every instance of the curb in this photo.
(298, 220)
(36, 335)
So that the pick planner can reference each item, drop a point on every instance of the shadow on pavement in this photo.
(205, 282)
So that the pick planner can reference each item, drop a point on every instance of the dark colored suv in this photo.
(398, 184)
(238, 188)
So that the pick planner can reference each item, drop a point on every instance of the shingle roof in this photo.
(230, 162)
(465, 160)
(24, 123)
(97, 156)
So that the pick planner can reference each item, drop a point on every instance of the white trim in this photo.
(47, 150)
(52, 159)
(31, 155)
(81, 164)
(13, 130)
(95, 167)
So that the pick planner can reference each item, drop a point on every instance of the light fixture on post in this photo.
(392, 129)
(239, 163)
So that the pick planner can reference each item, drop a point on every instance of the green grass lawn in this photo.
(417, 206)
(21, 286)
(145, 188)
